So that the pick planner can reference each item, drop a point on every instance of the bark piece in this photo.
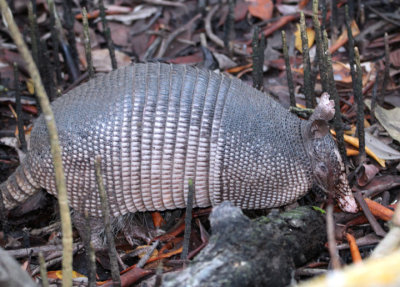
(262, 252)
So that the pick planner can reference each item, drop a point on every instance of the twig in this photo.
(308, 91)
(43, 271)
(86, 40)
(374, 97)
(258, 59)
(330, 229)
(214, 37)
(145, 258)
(3, 217)
(383, 16)
(360, 108)
(92, 266)
(334, 21)
(333, 92)
(26, 252)
(371, 219)
(165, 44)
(320, 50)
(90, 253)
(229, 26)
(33, 32)
(54, 40)
(69, 26)
(107, 35)
(166, 3)
(386, 74)
(112, 252)
(188, 221)
(148, 25)
(18, 110)
(46, 230)
(288, 71)
(54, 144)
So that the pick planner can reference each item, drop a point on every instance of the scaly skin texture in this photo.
(155, 126)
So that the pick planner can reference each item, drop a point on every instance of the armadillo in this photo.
(157, 125)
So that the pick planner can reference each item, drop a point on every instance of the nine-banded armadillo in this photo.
(157, 125)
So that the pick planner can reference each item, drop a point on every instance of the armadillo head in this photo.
(327, 166)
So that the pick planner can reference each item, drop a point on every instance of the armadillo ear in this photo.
(318, 129)
(325, 109)
(324, 112)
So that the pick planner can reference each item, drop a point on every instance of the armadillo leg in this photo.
(96, 229)
(18, 187)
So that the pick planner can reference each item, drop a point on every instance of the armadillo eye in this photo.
(322, 168)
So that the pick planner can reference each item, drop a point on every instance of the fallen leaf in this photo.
(127, 19)
(285, 9)
(366, 173)
(354, 142)
(389, 119)
(381, 149)
(343, 38)
(310, 35)
(102, 62)
(261, 8)
(224, 62)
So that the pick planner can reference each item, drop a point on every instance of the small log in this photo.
(261, 252)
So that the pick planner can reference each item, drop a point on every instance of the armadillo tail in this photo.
(18, 187)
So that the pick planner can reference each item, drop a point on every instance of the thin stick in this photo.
(33, 32)
(90, 253)
(320, 50)
(330, 230)
(258, 46)
(360, 108)
(86, 40)
(188, 221)
(107, 35)
(374, 97)
(18, 110)
(112, 252)
(386, 75)
(54, 144)
(333, 92)
(54, 40)
(229, 25)
(288, 70)
(43, 271)
(69, 26)
(306, 64)
(368, 214)
(145, 258)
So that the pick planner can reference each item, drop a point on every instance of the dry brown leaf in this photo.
(389, 119)
(261, 8)
(102, 62)
(310, 35)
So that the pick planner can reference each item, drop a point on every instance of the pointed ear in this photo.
(325, 109)
(318, 129)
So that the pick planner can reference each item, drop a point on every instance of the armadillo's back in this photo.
(154, 125)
